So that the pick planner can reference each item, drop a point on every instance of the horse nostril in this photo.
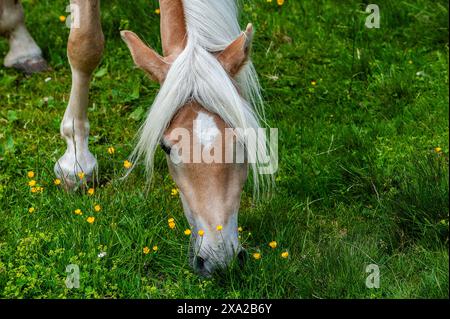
(199, 263)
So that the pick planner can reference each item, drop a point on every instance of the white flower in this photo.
(421, 73)
(102, 254)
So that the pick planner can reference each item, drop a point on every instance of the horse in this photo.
(208, 86)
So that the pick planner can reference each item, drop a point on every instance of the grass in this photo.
(359, 181)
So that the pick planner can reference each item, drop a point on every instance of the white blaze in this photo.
(205, 129)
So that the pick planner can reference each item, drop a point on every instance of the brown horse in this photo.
(208, 86)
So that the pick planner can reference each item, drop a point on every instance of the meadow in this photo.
(363, 162)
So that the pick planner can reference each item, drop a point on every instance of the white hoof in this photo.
(74, 172)
(24, 54)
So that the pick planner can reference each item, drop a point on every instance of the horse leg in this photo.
(84, 50)
(24, 54)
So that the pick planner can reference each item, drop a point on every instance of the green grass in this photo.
(359, 181)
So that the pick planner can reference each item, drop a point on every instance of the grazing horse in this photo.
(24, 54)
(208, 86)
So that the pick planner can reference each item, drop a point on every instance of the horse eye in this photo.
(165, 148)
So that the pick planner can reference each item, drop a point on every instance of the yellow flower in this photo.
(280, 2)
(127, 164)
(111, 150)
(33, 189)
(78, 212)
(174, 192)
(90, 220)
(31, 210)
(62, 18)
(438, 149)
(146, 250)
(30, 174)
(32, 183)
(240, 229)
(257, 256)
(57, 181)
(285, 254)
(81, 175)
(219, 227)
(273, 244)
(155, 248)
(39, 189)
(187, 232)
(171, 220)
(158, 11)
(313, 82)
(91, 191)
(201, 232)
(172, 225)
(97, 208)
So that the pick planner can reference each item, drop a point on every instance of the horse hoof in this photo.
(31, 65)
(75, 179)
(74, 183)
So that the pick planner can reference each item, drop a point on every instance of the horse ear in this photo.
(145, 58)
(173, 27)
(234, 57)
